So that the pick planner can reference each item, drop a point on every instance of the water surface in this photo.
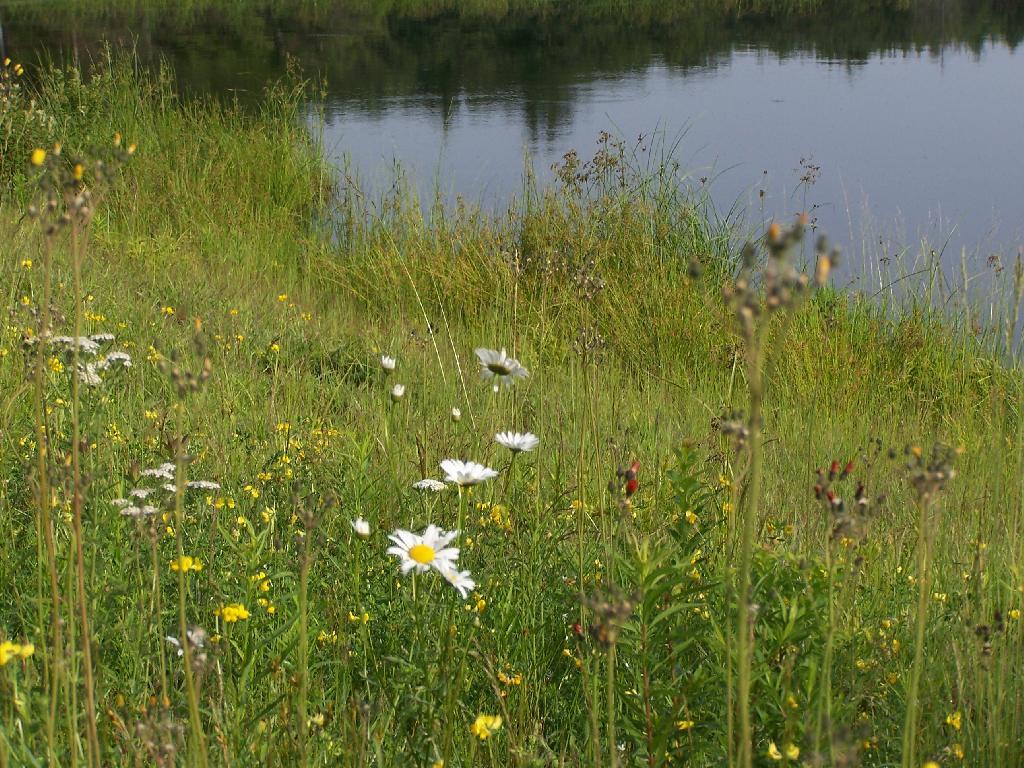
(892, 122)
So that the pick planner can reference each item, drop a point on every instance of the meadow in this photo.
(765, 522)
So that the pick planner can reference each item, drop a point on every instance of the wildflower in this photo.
(429, 484)
(684, 725)
(164, 471)
(931, 764)
(464, 473)
(691, 518)
(957, 750)
(196, 639)
(122, 359)
(397, 392)
(9, 651)
(186, 563)
(461, 581)
(38, 156)
(421, 551)
(361, 527)
(632, 483)
(1013, 613)
(485, 725)
(202, 485)
(773, 751)
(792, 751)
(139, 512)
(456, 415)
(954, 720)
(88, 376)
(517, 442)
(388, 363)
(499, 367)
(232, 612)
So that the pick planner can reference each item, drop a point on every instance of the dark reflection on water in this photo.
(912, 110)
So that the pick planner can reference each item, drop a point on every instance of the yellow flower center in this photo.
(422, 553)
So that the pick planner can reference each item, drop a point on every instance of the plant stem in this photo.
(613, 754)
(198, 740)
(92, 734)
(44, 522)
(751, 499)
(304, 644)
(923, 557)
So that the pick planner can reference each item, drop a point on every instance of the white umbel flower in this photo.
(202, 485)
(465, 473)
(517, 442)
(138, 512)
(388, 363)
(429, 484)
(164, 471)
(122, 359)
(421, 552)
(88, 376)
(361, 527)
(461, 580)
(499, 367)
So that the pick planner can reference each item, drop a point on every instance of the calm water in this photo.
(904, 125)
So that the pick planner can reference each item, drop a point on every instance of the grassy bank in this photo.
(602, 625)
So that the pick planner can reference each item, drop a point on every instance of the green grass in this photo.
(220, 218)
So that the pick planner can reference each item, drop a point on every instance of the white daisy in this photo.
(517, 442)
(429, 484)
(466, 472)
(421, 552)
(456, 414)
(461, 580)
(499, 367)
(397, 392)
(361, 527)
(388, 363)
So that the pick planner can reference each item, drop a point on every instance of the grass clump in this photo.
(732, 543)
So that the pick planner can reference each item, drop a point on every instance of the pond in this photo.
(898, 124)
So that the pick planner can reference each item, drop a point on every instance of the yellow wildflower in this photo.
(186, 563)
(10, 651)
(792, 751)
(485, 725)
(954, 720)
(773, 751)
(232, 613)
(38, 156)
(684, 725)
